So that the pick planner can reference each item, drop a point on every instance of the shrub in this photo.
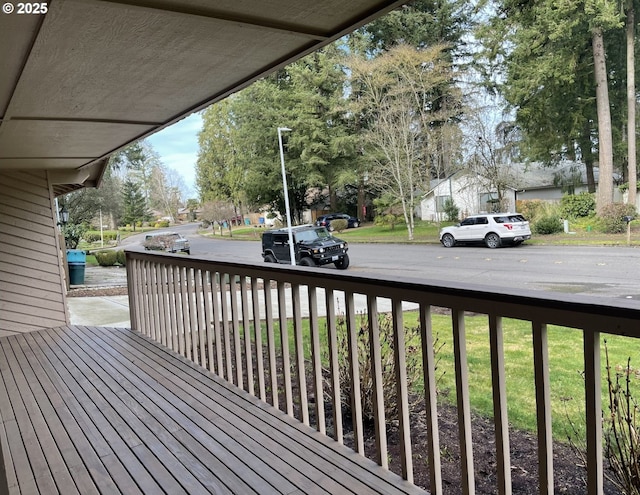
(531, 209)
(578, 205)
(548, 224)
(107, 258)
(413, 364)
(91, 236)
(339, 224)
(451, 210)
(121, 258)
(612, 217)
(622, 428)
(162, 224)
(72, 234)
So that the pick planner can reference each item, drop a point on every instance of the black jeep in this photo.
(312, 246)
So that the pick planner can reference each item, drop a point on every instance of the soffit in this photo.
(91, 76)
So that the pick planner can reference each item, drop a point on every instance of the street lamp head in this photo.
(282, 129)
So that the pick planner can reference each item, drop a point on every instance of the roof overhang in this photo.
(88, 77)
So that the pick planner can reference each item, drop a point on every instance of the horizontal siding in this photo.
(22, 284)
(31, 284)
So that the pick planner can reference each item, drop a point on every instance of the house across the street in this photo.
(475, 193)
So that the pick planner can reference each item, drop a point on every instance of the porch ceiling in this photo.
(90, 76)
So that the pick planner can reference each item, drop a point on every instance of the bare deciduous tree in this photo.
(218, 212)
(409, 102)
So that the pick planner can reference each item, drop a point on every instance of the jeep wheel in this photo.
(306, 261)
(342, 263)
(356, 225)
(269, 258)
(492, 240)
(448, 240)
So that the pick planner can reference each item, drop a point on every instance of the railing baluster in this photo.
(431, 398)
(300, 361)
(402, 393)
(316, 360)
(284, 341)
(184, 302)
(246, 327)
(237, 344)
(164, 306)
(153, 316)
(378, 390)
(593, 402)
(224, 304)
(543, 407)
(464, 408)
(500, 416)
(192, 344)
(133, 285)
(177, 294)
(332, 336)
(209, 318)
(257, 331)
(216, 292)
(201, 317)
(148, 329)
(354, 372)
(271, 344)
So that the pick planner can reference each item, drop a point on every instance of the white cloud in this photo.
(177, 146)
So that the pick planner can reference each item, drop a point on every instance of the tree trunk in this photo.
(631, 105)
(361, 213)
(587, 158)
(604, 196)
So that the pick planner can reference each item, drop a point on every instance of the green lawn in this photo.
(427, 233)
(565, 362)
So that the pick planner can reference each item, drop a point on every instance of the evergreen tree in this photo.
(557, 81)
(134, 203)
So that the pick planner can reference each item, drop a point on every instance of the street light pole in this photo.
(292, 251)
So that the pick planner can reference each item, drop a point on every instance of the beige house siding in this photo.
(32, 290)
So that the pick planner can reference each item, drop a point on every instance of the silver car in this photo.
(171, 242)
(492, 229)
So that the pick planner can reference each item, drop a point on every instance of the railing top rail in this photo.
(590, 313)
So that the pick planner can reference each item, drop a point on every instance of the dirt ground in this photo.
(569, 475)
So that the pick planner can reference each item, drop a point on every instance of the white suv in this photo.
(493, 229)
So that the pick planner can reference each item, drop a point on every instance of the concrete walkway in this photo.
(99, 311)
(112, 311)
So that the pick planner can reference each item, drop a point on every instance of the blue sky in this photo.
(177, 146)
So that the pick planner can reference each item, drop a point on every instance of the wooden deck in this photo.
(101, 410)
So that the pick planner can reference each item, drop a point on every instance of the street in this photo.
(598, 271)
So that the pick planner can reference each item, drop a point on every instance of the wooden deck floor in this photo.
(100, 410)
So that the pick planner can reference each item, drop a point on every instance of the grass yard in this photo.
(427, 233)
(565, 361)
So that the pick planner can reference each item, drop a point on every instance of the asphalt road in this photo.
(611, 272)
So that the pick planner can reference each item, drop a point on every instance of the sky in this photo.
(177, 146)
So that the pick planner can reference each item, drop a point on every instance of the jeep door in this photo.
(281, 248)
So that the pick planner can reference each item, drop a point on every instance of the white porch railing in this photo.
(186, 304)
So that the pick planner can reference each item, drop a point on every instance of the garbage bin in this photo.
(76, 260)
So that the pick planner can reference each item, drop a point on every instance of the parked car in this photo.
(492, 229)
(171, 242)
(313, 246)
(325, 220)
